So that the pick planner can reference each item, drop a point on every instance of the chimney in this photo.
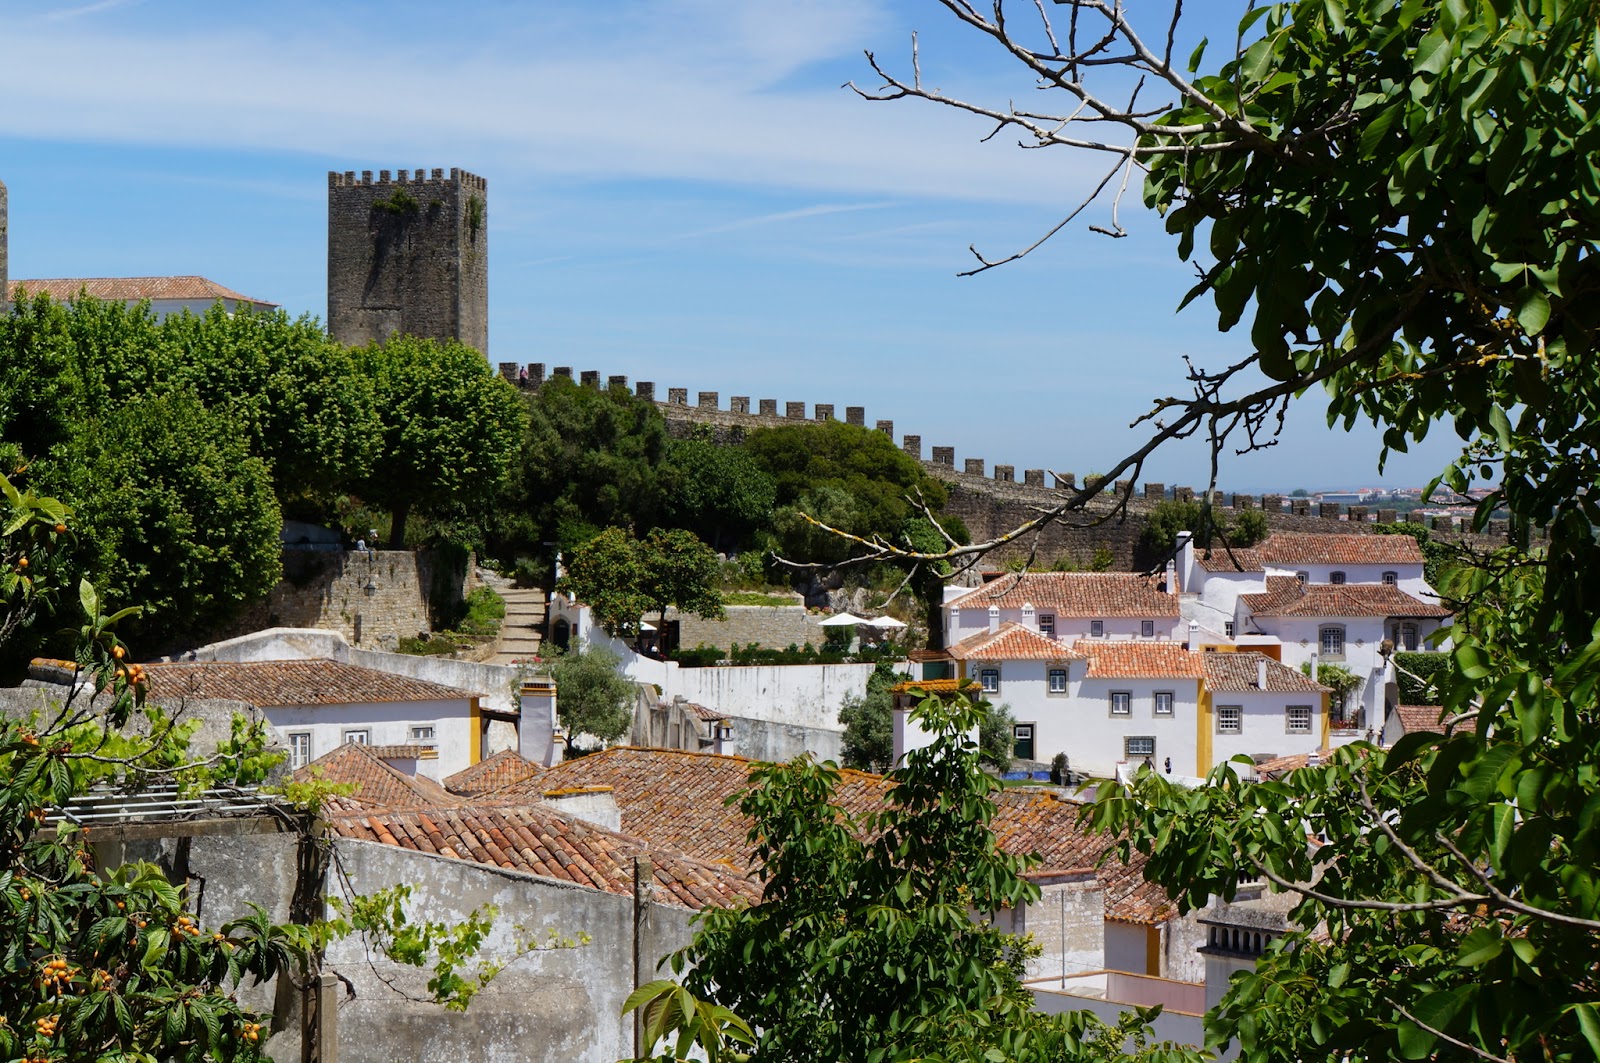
(1172, 576)
(1194, 636)
(994, 619)
(1261, 671)
(592, 804)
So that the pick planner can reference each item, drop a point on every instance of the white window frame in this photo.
(1336, 578)
(1227, 628)
(359, 735)
(1147, 629)
(985, 675)
(1050, 679)
(297, 757)
(1047, 625)
(1292, 717)
(419, 738)
(1303, 577)
(1391, 579)
(1230, 719)
(1156, 701)
(1097, 629)
(1128, 743)
(1327, 636)
(1121, 703)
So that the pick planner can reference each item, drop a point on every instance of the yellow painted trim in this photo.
(1327, 718)
(1206, 728)
(475, 723)
(1152, 950)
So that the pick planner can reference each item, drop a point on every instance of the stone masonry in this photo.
(408, 254)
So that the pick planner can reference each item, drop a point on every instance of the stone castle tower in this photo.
(408, 254)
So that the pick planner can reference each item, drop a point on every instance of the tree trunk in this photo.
(397, 525)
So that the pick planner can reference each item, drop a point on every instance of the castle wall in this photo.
(408, 254)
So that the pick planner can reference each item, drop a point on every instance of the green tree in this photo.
(864, 946)
(605, 575)
(720, 493)
(450, 427)
(868, 720)
(1392, 198)
(996, 737)
(1171, 516)
(593, 697)
(677, 569)
(173, 511)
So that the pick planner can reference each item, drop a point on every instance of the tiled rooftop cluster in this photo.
(132, 289)
(1287, 596)
(268, 684)
(1100, 594)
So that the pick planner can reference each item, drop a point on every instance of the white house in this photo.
(1218, 576)
(318, 705)
(166, 295)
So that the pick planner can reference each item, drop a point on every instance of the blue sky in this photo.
(678, 191)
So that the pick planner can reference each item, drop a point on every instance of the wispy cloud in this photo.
(818, 211)
(82, 10)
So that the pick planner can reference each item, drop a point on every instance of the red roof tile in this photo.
(1287, 596)
(378, 785)
(1317, 548)
(134, 289)
(541, 841)
(1238, 673)
(1081, 594)
(1012, 642)
(505, 768)
(1415, 718)
(1126, 659)
(268, 684)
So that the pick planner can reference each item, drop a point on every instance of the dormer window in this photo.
(1097, 629)
(1391, 578)
(1336, 577)
(1147, 629)
(1302, 577)
(1047, 625)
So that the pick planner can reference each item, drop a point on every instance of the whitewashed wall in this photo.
(387, 723)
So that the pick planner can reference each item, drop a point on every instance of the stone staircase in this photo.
(522, 630)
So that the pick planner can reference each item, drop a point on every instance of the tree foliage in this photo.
(864, 945)
(450, 428)
(1209, 525)
(868, 720)
(621, 578)
(593, 697)
(720, 493)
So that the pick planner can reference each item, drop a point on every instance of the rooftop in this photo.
(1239, 672)
(269, 684)
(135, 289)
(1126, 659)
(1415, 718)
(1287, 596)
(1316, 548)
(377, 784)
(1013, 642)
(495, 772)
(1082, 594)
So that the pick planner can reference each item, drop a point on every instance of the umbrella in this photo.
(842, 620)
(884, 622)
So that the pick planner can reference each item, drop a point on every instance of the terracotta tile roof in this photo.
(1126, 659)
(496, 772)
(1415, 718)
(1287, 596)
(134, 289)
(1318, 548)
(1081, 594)
(1012, 642)
(1238, 672)
(936, 686)
(675, 799)
(700, 712)
(378, 785)
(407, 751)
(540, 841)
(1277, 766)
(267, 684)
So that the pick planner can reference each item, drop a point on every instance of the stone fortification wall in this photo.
(993, 500)
(408, 254)
(771, 626)
(370, 597)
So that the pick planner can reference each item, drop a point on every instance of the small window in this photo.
(1097, 629)
(1163, 703)
(1227, 628)
(1391, 578)
(1336, 577)
(1058, 680)
(1408, 637)
(299, 749)
(1047, 625)
(1303, 577)
(1022, 741)
(990, 679)
(1229, 718)
(1139, 746)
(1147, 629)
(360, 738)
(422, 734)
(1121, 703)
(1297, 719)
(1332, 640)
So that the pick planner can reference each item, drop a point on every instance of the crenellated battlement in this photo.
(1001, 500)
(418, 176)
